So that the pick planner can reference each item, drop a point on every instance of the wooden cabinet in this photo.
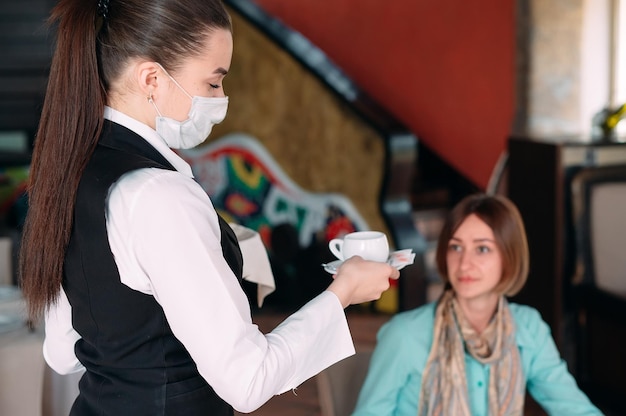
(539, 176)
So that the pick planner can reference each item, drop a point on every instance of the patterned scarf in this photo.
(444, 384)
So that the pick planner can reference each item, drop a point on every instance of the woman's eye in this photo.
(454, 247)
(214, 86)
(483, 249)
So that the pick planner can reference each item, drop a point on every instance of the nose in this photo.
(465, 260)
(220, 92)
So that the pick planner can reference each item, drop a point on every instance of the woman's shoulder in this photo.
(530, 324)
(420, 314)
(416, 321)
(155, 187)
(150, 179)
(524, 313)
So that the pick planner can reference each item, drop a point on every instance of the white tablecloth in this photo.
(21, 372)
(6, 261)
(21, 359)
(28, 387)
(256, 264)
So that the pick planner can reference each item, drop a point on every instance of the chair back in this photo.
(599, 292)
(598, 201)
(339, 385)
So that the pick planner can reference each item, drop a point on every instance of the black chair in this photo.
(599, 283)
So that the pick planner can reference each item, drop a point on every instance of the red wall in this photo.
(445, 68)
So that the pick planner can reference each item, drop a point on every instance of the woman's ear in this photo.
(146, 78)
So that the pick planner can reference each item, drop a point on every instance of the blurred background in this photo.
(347, 115)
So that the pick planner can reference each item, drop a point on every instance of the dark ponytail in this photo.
(95, 41)
(71, 121)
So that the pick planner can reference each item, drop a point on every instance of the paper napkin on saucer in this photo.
(401, 258)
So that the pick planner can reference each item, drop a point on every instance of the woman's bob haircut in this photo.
(503, 217)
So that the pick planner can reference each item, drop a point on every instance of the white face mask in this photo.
(204, 113)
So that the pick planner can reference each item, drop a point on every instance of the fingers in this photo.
(392, 272)
(395, 273)
(359, 281)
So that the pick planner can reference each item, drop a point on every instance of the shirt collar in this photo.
(151, 136)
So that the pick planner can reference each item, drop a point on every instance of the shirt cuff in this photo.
(319, 337)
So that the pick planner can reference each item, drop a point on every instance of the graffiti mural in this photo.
(13, 201)
(247, 187)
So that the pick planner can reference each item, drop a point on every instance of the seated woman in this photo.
(472, 352)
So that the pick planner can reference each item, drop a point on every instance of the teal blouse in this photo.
(394, 379)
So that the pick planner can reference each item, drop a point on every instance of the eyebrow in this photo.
(475, 240)
(220, 71)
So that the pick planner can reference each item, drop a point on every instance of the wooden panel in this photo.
(319, 141)
(535, 187)
(540, 173)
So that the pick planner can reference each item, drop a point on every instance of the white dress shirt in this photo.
(165, 238)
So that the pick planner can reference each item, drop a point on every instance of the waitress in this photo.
(123, 253)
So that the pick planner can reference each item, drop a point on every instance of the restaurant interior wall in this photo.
(445, 69)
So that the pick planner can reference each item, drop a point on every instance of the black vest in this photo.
(135, 366)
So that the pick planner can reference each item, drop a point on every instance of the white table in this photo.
(28, 387)
(21, 359)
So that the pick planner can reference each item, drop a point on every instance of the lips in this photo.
(466, 279)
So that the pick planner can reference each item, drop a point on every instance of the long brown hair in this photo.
(92, 48)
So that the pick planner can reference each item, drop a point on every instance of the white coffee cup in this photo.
(369, 245)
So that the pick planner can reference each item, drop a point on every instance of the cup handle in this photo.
(335, 245)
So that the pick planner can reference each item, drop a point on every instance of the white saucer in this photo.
(399, 259)
(332, 266)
